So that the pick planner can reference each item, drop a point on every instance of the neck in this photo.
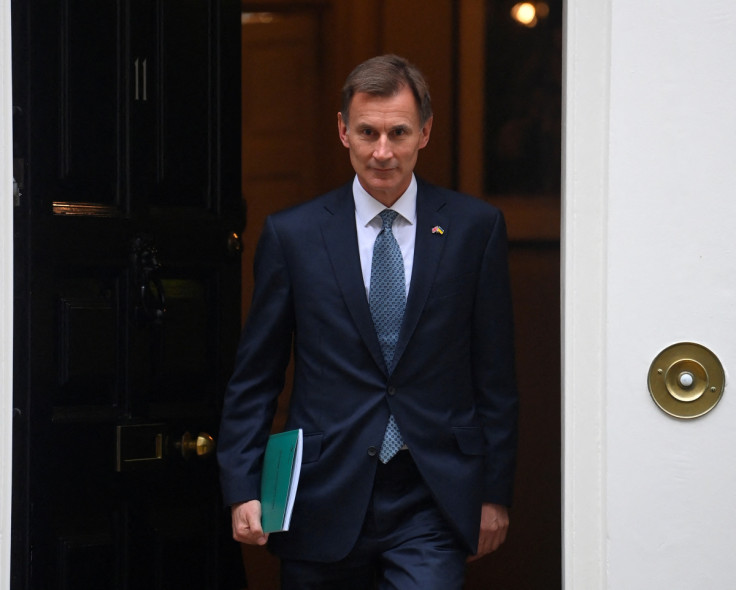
(386, 198)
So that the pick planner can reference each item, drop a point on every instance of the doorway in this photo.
(534, 215)
(328, 39)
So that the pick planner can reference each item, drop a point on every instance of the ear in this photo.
(342, 130)
(424, 132)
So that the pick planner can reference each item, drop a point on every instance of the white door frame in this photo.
(586, 80)
(6, 292)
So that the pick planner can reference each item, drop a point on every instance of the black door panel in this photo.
(128, 290)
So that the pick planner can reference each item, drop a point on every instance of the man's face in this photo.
(384, 138)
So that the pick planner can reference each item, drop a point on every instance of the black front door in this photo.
(127, 290)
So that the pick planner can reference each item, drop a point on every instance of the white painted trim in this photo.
(584, 251)
(6, 292)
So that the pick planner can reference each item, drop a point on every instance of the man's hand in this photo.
(494, 524)
(247, 523)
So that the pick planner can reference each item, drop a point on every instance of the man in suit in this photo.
(393, 295)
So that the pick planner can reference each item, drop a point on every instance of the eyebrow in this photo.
(399, 127)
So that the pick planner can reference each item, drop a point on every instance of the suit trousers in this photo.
(405, 544)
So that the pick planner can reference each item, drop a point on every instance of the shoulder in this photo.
(457, 204)
(315, 208)
(301, 226)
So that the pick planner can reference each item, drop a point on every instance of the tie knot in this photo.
(388, 216)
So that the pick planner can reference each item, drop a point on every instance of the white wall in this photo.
(661, 231)
(671, 263)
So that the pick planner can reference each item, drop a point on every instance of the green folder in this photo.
(281, 467)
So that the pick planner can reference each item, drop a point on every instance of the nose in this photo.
(382, 151)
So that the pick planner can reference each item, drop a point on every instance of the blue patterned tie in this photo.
(387, 301)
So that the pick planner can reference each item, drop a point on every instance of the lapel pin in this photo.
(438, 230)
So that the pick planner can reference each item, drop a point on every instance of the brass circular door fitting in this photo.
(686, 380)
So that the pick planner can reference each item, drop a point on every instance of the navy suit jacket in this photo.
(451, 390)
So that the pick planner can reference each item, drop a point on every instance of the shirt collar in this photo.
(366, 207)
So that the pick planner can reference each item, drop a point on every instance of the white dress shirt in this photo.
(368, 224)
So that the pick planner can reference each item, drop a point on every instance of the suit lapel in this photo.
(341, 240)
(427, 253)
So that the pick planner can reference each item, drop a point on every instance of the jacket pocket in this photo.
(312, 447)
(470, 439)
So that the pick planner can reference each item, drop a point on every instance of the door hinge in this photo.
(16, 194)
(18, 176)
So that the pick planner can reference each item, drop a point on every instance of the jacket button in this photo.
(392, 390)
(372, 451)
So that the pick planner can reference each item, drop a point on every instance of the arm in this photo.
(496, 395)
(493, 367)
(258, 377)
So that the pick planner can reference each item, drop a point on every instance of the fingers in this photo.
(493, 529)
(247, 528)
